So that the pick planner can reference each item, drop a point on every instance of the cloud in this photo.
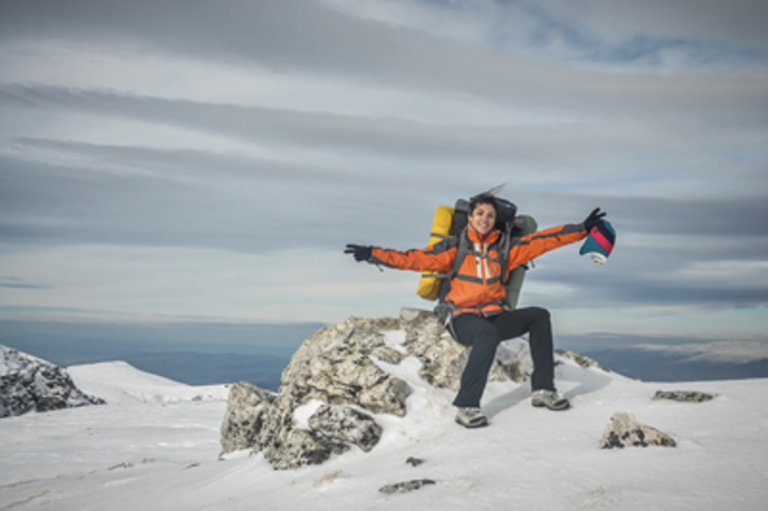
(270, 134)
(255, 206)
(109, 282)
(17, 283)
(250, 34)
(735, 24)
(655, 35)
(736, 352)
(593, 145)
(358, 136)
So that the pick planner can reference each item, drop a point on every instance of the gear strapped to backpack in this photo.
(450, 224)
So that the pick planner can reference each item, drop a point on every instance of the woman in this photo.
(480, 315)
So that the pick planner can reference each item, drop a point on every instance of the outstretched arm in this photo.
(540, 242)
(433, 258)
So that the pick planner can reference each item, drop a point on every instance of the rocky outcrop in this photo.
(30, 384)
(336, 365)
(624, 430)
(583, 360)
(343, 367)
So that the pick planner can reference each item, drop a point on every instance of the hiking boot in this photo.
(551, 399)
(471, 417)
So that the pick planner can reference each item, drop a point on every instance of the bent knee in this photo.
(483, 334)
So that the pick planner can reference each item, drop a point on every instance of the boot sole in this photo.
(553, 408)
(472, 425)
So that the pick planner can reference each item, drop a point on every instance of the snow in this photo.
(395, 339)
(121, 383)
(156, 447)
(302, 414)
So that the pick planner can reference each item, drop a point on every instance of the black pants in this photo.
(484, 336)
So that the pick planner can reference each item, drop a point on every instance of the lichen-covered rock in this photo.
(278, 421)
(298, 447)
(347, 425)
(247, 406)
(29, 384)
(683, 395)
(334, 365)
(624, 430)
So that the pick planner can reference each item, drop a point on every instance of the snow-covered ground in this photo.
(156, 446)
(120, 383)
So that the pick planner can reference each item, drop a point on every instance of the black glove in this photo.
(360, 252)
(593, 219)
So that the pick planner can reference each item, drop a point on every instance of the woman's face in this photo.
(483, 218)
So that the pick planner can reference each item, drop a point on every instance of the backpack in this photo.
(451, 224)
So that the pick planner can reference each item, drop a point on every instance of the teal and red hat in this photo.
(599, 243)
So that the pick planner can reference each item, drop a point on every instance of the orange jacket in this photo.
(479, 285)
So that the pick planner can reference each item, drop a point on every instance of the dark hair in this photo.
(483, 198)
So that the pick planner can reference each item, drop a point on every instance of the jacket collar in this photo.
(488, 239)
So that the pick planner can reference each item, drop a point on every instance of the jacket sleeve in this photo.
(437, 258)
(533, 245)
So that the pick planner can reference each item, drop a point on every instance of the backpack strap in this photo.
(444, 309)
(504, 245)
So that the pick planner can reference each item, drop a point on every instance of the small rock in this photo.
(414, 461)
(406, 486)
(624, 430)
(683, 395)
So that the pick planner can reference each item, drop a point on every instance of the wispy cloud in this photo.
(737, 352)
(17, 283)
(655, 35)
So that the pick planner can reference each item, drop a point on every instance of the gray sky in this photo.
(208, 161)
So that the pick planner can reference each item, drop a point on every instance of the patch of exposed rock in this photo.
(690, 396)
(30, 384)
(406, 486)
(583, 360)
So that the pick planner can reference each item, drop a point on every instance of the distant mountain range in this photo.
(212, 354)
(265, 370)
(672, 366)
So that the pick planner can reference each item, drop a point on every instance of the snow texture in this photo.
(157, 447)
